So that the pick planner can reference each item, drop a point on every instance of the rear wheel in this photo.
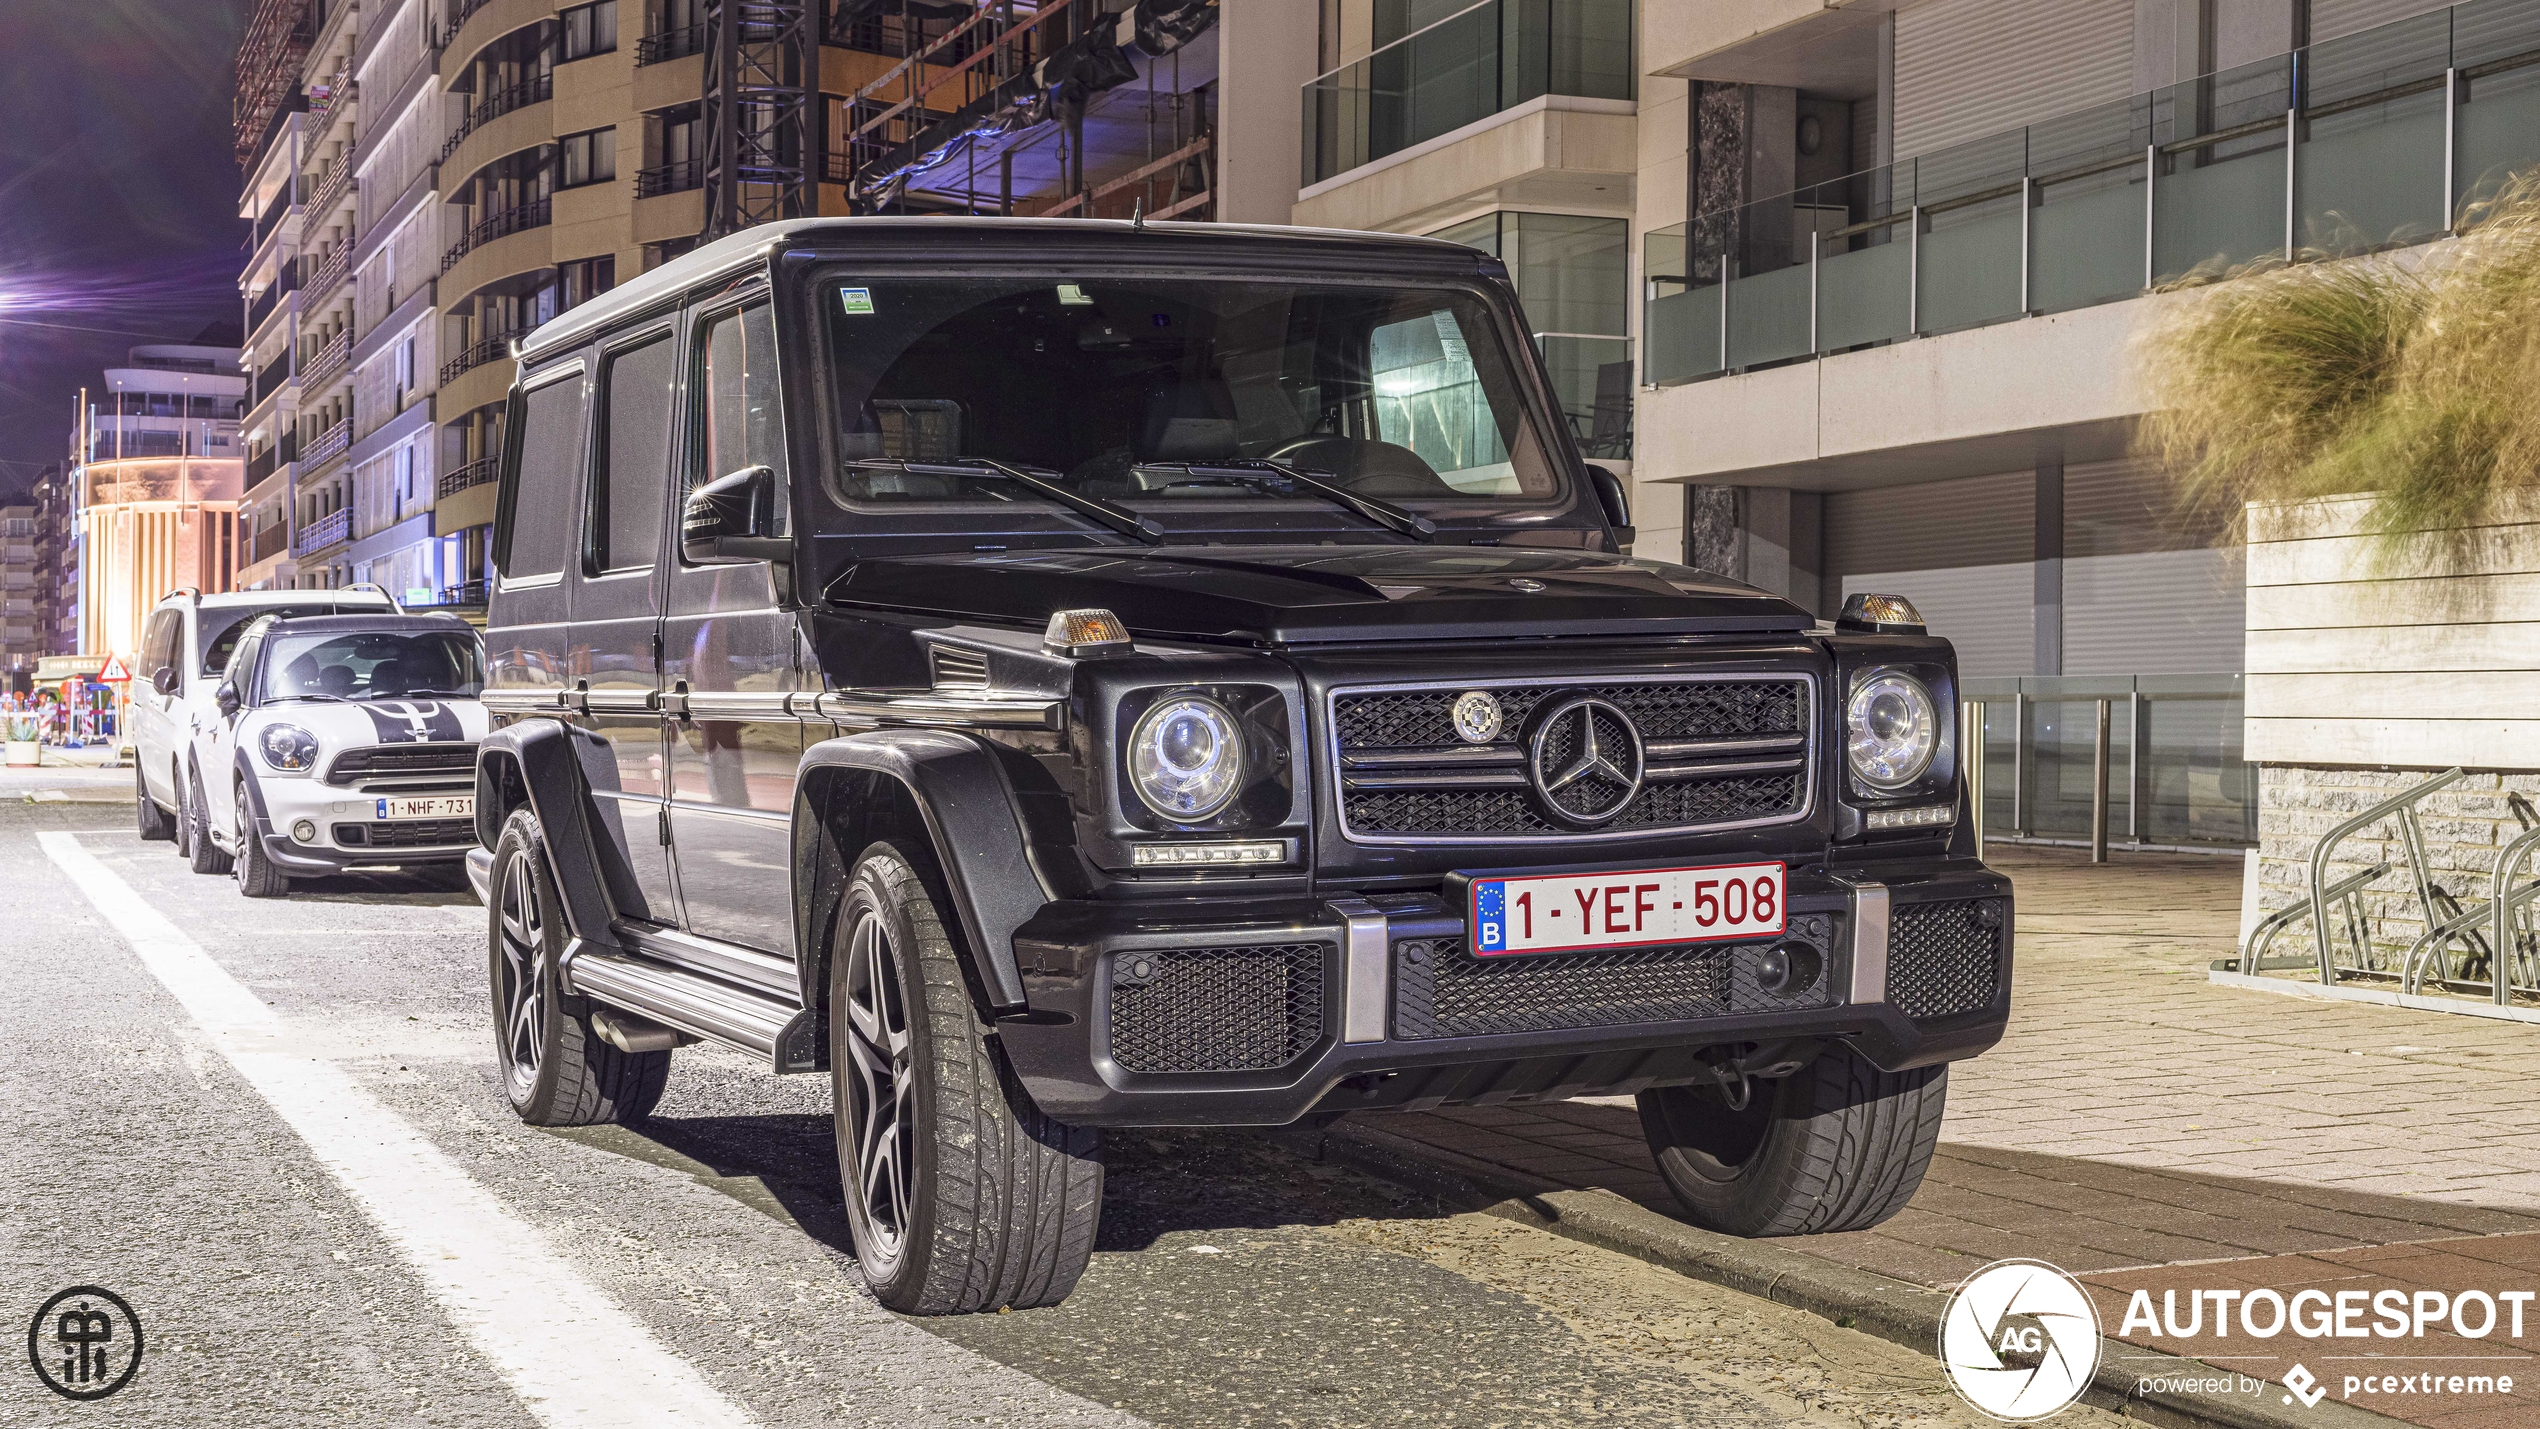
(257, 877)
(1837, 1146)
(201, 854)
(153, 821)
(557, 1070)
(961, 1194)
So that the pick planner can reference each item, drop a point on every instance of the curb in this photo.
(1893, 1310)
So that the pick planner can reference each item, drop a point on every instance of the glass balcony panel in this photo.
(2499, 113)
(1584, 380)
(1971, 264)
(1588, 49)
(2063, 752)
(1768, 317)
(2369, 171)
(2198, 788)
(1863, 292)
(2218, 200)
(1683, 335)
(2086, 239)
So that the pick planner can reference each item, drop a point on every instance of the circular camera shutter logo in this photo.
(2020, 1340)
(1477, 717)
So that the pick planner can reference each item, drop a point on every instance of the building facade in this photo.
(57, 562)
(21, 577)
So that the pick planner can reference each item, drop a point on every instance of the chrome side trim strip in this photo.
(856, 709)
(618, 699)
(1869, 943)
(748, 966)
(1450, 779)
(944, 711)
(1673, 772)
(523, 701)
(1366, 970)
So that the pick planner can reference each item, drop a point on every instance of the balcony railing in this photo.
(670, 45)
(2176, 775)
(475, 473)
(329, 445)
(260, 466)
(336, 182)
(325, 531)
(476, 354)
(2375, 140)
(327, 360)
(285, 283)
(270, 380)
(670, 178)
(460, 10)
(537, 89)
(513, 220)
(336, 267)
(271, 541)
(1464, 68)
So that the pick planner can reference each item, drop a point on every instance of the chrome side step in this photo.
(774, 1028)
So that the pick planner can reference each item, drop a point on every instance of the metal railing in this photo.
(271, 541)
(325, 531)
(1473, 64)
(337, 181)
(672, 178)
(475, 473)
(330, 444)
(517, 219)
(476, 354)
(331, 273)
(537, 89)
(328, 360)
(2374, 140)
(2147, 761)
(286, 281)
(670, 45)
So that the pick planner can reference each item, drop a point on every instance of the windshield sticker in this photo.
(856, 300)
(1072, 296)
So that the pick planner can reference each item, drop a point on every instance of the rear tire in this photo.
(257, 877)
(153, 822)
(961, 1195)
(557, 1071)
(201, 854)
(1837, 1146)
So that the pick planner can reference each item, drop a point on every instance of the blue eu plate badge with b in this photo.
(1490, 917)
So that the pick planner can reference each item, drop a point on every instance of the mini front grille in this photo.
(1442, 990)
(1244, 1009)
(419, 833)
(401, 760)
(1944, 958)
(1717, 753)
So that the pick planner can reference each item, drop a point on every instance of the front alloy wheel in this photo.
(520, 935)
(873, 1091)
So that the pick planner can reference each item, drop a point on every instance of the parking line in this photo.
(573, 1355)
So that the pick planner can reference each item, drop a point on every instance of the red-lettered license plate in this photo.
(1567, 913)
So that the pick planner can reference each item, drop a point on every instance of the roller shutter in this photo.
(2333, 18)
(1960, 550)
(1969, 68)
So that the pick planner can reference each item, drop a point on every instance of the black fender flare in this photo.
(549, 765)
(961, 793)
(246, 773)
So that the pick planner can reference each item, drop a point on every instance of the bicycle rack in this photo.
(2353, 924)
(2506, 956)
(2345, 896)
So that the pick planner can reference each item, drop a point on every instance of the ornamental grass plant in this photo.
(2411, 375)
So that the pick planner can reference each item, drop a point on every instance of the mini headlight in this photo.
(1186, 758)
(287, 746)
(1891, 730)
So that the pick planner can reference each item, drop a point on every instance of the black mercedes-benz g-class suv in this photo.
(1061, 675)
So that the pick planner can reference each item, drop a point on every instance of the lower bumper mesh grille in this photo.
(1945, 958)
(1246, 1009)
(1442, 990)
(421, 833)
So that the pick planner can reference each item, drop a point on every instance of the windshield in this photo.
(217, 652)
(1137, 390)
(369, 665)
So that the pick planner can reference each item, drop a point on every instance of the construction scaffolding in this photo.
(761, 72)
(269, 60)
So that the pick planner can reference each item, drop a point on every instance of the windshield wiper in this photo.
(419, 695)
(1265, 474)
(1118, 518)
(311, 695)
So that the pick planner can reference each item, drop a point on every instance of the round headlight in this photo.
(1186, 758)
(1891, 730)
(287, 746)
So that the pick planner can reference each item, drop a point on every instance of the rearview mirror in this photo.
(732, 519)
(164, 680)
(226, 697)
(1615, 498)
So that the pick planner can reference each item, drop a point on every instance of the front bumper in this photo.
(332, 810)
(1237, 1012)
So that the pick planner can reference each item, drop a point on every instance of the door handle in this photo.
(578, 699)
(676, 702)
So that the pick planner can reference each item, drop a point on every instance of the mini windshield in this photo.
(373, 665)
(1139, 390)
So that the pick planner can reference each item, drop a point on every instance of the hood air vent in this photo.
(959, 669)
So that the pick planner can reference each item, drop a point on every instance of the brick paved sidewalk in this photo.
(2136, 1115)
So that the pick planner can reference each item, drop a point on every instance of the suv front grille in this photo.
(1246, 1009)
(401, 760)
(1944, 958)
(1719, 753)
(1442, 990)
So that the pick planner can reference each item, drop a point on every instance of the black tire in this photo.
(557, 1071)
(201, 854)
(962, 1195)
(153, 822)
(257, 877)
(1837, 1146)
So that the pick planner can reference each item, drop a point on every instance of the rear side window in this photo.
(543, 512)
(634, 478)
(158, 647)
(740, 423)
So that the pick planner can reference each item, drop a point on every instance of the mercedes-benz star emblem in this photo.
(1586, 760)
(1477, 716)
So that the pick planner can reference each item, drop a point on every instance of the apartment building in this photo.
(57, 562)
(21, 575)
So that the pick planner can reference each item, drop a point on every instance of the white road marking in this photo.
(574, 1356)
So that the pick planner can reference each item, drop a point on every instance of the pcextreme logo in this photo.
(2020, 1340)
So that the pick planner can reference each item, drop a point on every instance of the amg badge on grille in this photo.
(1477, 716)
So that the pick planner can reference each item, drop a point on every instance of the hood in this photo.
(1302, 595)
(368, 722)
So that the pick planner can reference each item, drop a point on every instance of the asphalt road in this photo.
(324, 1213)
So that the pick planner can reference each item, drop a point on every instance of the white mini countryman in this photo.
(344, 741)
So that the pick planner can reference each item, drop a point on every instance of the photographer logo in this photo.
(85, 1343)
(2020, 1340)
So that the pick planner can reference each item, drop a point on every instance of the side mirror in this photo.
(1615, 498)
(227, 698)
(733, 519)
(164, 681)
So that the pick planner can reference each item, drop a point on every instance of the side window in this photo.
(158, 647)
(634, 477)
(739, 422)
(540, 516)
